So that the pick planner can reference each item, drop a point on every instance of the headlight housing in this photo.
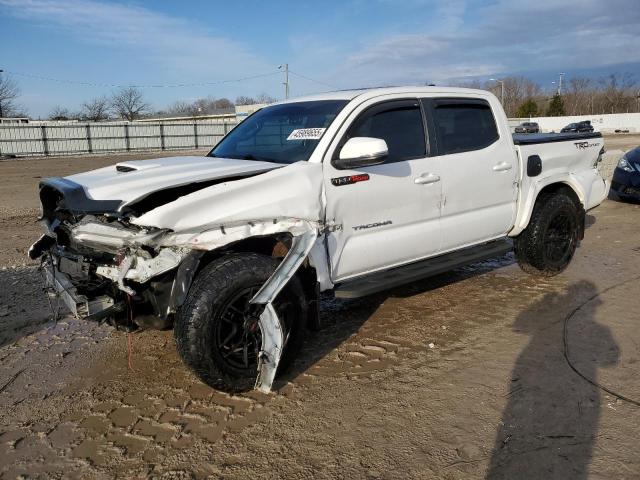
(624, 164)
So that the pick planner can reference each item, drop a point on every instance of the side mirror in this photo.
(362, 152)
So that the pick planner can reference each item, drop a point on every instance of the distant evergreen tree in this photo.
(527, 109)
(556, 107)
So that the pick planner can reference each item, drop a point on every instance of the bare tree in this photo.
(223, 104)
(578, 96)
(617, 92)
(128, 103)
(182, 109)
(9, 91)
(96, 109)
(60, 113)
(201, 106)
(244, 100)
(264, 98)
(516, 91)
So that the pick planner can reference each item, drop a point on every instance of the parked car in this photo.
(528, 127)
(626, 177)
(579, 127)
(341, 192)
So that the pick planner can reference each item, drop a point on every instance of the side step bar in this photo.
(376, 282)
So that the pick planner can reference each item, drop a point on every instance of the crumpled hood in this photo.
(294, 191)
(129, 181)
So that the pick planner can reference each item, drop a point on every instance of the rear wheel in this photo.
(215, 334)
(549, 242)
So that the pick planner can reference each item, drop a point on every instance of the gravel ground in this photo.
(465, 375)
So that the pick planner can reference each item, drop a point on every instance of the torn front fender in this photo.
(273, 340)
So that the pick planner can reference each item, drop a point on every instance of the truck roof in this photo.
(366, 93)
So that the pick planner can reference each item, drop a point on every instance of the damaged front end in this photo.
(106, 261)
(104, 269)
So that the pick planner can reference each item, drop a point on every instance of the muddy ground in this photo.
(481, 372)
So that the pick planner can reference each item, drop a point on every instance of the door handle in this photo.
(426, 178)
(502, 167)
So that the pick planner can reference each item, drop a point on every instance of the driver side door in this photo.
(384, 215)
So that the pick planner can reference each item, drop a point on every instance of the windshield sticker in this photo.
(306, 134)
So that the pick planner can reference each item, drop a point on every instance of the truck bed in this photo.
(536, 138)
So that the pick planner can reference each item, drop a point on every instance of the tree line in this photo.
(521, 97)
(614, 93)
(127, 103)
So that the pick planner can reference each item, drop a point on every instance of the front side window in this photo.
(284, 133)
(397, 123)
(463, 125)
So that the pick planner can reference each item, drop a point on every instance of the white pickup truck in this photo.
(351, 192)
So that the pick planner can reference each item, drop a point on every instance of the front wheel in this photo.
(549, 242)
(215, 334)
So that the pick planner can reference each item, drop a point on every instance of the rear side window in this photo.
(463, 125)
(399, 124)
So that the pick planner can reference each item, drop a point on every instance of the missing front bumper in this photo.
(60, 287)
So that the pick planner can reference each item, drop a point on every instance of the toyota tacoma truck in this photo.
(348, 192)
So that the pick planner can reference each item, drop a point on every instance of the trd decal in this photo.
(584, 145)
(373, 225)
(339, 181)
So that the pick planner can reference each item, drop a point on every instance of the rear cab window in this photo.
(461, 125)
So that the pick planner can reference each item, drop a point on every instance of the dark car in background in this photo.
(528, 127)
(626, 177)
(579, 127)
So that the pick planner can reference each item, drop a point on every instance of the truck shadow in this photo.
(550, 423)
(343, 318)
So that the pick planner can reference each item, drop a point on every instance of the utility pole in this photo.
(285, 68)
(560, 84)
(1, 116)
(501, 82)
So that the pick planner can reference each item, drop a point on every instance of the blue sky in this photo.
(341, 44)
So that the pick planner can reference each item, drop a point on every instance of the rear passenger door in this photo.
(479, 171)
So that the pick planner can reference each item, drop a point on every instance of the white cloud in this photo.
(500, 38)
(165, 40)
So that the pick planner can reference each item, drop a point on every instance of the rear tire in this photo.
(547, 245)
(212, 333)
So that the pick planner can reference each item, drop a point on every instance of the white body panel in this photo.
(479, 189)
(562, 162)
(293, 191)
(149, 176)
(408, 212)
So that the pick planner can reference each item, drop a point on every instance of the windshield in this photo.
(284, 133)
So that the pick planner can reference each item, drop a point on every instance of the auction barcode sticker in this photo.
(306, 134)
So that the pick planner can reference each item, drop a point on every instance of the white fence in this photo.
(66, 139)
(606, 123)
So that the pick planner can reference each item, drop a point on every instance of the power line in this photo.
(312, 80)
(113, 85)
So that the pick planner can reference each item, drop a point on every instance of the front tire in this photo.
(547, 245)
(214, 335)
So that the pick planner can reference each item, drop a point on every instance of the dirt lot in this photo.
(465, 375)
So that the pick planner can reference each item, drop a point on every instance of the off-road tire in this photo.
(198, 322)
(533, 244)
